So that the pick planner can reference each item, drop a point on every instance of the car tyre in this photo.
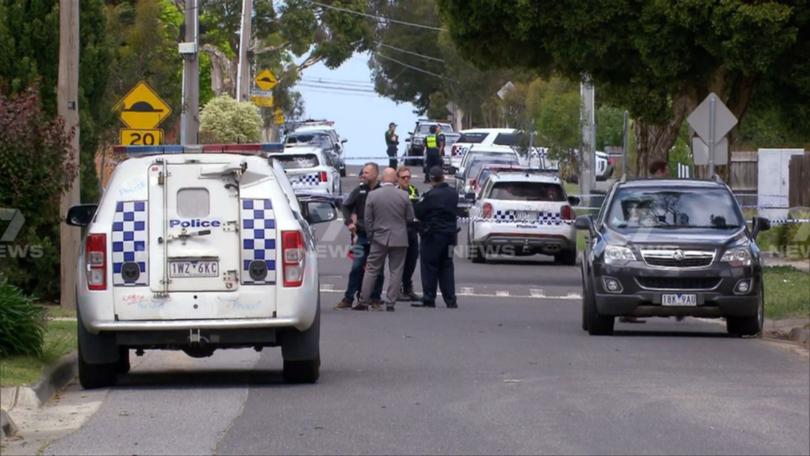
(93, 376)
(585, 293)
(597, 325)
(567, 257)
(748, 326)
(301, 352)
(123, 366)
(475, 252)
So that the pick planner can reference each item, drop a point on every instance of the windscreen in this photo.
(527, 191)
(475, 166)
(297, 161)
(674, 208)
(508, 139)
(307, 138)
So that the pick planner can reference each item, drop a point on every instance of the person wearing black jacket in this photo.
(407, 294)
(391, 144)
(437, 213)
(353, 214)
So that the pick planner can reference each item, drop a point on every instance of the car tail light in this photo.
(323, 176)
(454, 150)
(472, 183)
(95, 258)
(292, 251)
(487, 210)
(568, 213)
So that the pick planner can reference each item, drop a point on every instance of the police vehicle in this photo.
(523, 213)
(308, 170)
(198, 248)
(322, 134)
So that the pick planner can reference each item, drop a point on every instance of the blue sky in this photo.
(359, 116)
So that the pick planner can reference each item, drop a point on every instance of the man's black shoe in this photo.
(427, 305)
(452, 305)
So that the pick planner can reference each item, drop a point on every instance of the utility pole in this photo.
(68, 108)
(243, 70)
(624, 144)
(190, 115)
(588, 124)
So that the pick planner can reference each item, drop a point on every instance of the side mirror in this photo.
(759, 224)
(573, 200)
(81, 215)
(319, 211)
(408, 140)
(344, 141)
(584, 222)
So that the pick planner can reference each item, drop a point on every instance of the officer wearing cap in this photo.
(437, 212)
(391, 144)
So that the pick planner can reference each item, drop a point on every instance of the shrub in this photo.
(22, 324)
(224, 120)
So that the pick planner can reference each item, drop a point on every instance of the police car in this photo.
(198, 248)
(522, 213)
(308, 170)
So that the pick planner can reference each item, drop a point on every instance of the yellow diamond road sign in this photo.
(142, 108)
(266, 80)
(278, 116)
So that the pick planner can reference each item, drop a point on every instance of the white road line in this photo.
(536, 292)
(467, 291)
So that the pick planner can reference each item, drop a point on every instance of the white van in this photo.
(196, 251)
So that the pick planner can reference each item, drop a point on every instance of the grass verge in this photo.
(787, 293)
(60, 339)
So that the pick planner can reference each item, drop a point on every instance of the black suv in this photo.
(416, 147)
(662, 248)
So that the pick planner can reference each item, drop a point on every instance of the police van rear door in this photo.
(194, 211)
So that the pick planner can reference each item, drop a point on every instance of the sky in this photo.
(360, 116)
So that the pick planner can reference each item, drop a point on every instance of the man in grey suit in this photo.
(387, 214)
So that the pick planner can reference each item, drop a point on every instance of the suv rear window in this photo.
(308, 138)
(425, 128)
(508, 139)
(527, 191)
(297, 161)
(472, 138)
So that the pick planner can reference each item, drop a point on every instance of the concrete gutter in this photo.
(53, 379)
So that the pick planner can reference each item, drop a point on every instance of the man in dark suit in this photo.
(387, 214)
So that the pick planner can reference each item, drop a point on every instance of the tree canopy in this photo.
(658, 59)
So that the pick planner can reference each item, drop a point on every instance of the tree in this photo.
(36, 168)
(658, 59)
(224, 120)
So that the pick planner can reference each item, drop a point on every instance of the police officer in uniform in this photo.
(404, 176)
(391, 144)
(432, 157)
(437, 213)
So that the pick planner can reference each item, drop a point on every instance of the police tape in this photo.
(557, 222)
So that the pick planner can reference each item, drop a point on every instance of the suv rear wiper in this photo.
(185, 235)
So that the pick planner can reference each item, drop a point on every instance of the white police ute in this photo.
(522, 213)
(308, 170)
(198, 248)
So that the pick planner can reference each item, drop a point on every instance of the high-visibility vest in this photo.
(413, 194)
(432, 141)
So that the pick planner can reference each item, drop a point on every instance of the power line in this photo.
(413, 67)
(355, 83)
(332, 87)
(338, 92)
(379, 18)
(410, 52)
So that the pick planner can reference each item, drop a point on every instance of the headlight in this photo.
(740, 256)
(616, 254)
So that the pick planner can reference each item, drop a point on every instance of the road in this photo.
(509, 372)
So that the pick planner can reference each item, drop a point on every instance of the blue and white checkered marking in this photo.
(258, 239)
(129, 237)
(305, 179)
(543, 217)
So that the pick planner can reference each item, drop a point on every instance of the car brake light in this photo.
(568, 213)
(323, 176)
(487, 210)
(454, 150)
(95, 257)
(293, 253)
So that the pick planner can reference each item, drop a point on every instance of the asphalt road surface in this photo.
(510, 372)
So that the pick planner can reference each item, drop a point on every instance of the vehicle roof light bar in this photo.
(249, 149)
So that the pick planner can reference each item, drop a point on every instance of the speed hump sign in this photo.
(133, 137)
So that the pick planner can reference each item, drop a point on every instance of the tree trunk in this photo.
(653, 141)
(223, 71)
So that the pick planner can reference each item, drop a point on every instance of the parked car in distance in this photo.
(669, 247)
(309, 170)
(523, 213)
(324, 137)
(416, 141)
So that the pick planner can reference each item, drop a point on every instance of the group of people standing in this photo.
(434, 148)
(387, 219)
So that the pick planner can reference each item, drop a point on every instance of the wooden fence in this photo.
(799, 185)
